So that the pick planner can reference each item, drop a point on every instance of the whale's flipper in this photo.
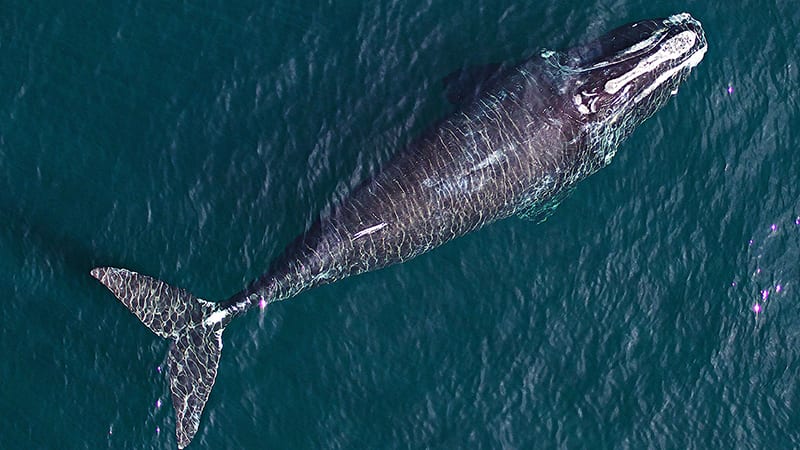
(176, 314)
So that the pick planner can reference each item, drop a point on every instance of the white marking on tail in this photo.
(216, 317)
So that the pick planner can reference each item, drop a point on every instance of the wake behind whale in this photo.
(517, 146)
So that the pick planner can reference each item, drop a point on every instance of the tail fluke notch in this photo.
(175, 313)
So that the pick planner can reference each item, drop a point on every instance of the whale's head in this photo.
(617, 81)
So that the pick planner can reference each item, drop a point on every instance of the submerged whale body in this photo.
(516, 147)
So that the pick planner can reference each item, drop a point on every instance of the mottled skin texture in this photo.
(518, 148)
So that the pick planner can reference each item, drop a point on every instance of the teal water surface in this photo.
(658, 307)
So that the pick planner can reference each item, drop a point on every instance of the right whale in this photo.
(516, 146)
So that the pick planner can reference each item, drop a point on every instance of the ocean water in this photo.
(659, 307)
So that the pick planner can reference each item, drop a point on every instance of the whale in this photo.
(519, 139)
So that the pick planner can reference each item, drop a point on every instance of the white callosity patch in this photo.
(578, 100)
(583, 99)
(652, 40)
(670, 50)
(688, 64)
(630, 52)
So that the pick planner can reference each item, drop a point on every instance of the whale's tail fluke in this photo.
(193, 327)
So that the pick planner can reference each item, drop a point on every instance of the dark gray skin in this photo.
(519, 147)
(476, 167)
